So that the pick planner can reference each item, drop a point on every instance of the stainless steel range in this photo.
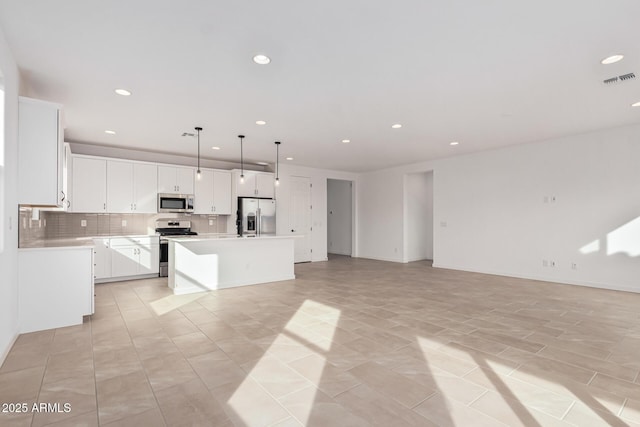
(170, 227)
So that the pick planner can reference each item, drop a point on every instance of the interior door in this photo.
(300, 217)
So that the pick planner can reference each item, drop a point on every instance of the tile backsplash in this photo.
(51, 225)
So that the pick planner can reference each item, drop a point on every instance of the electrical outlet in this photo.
(443, 223)
(83, 223)
(553, 199)
(124, 222)
(395, 250)
(574, 266)
(545, 263)
(545, 199)
(210, 222)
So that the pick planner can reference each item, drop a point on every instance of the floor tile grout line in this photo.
(622, 407)
(486, 391)
(573, 403)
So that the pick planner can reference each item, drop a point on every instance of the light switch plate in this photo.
(124, 222)
(83, 223)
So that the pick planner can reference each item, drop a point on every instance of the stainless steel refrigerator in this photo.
(256, 216)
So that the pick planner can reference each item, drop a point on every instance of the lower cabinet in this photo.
(120, 257)
(55, 287)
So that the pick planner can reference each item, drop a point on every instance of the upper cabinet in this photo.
(175, 179)
(213, 193)
(256, 184)
(89, 185)
(131, 187)
(40, 154)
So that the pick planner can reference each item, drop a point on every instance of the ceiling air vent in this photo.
(188, 134)
(619, 79)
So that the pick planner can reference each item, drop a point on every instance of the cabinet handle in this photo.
(68, 204)
(104, 206)
(63, 196)
(131, 208)
(135, 207)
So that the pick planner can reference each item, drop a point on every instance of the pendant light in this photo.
(277, 181)
(241, 160)
(198, 173)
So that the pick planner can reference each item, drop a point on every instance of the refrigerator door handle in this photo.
(259, 221)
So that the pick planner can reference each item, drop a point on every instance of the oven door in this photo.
(164, 257)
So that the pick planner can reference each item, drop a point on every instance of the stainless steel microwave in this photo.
(175, 202)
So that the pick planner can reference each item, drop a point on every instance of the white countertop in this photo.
(226, 237)
(74, 242)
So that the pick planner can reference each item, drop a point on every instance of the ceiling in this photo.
(487, 74)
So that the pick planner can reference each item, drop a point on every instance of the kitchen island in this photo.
(201, 263)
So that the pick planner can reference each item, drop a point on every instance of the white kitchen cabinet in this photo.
(175, 179)
(134, 256)
(256, 184)
(145, 188)
(131, 187)
(40, 154)
(89, 185)
(55, 287)
(213, 193)
(265, 185)
(101, 258)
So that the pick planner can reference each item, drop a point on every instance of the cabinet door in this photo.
(119, 187)
(264, 185)
(167, 179)
(124, 261)
(149, 259)
(101, 259)
(184, 180)
(145, 192)
(40, 153)
(248, 187)
(222, 193)
(204, 193)
(89, 185)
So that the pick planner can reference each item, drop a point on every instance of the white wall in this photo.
(339, 216)
(418, 216)
(318, 200)
(496, 220)
(9, 204)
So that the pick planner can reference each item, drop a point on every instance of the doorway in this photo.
(418, 230)
(300, 217)
(339, 217)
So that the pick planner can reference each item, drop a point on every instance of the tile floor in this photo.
(350, 342)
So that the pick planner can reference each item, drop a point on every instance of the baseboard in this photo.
(6, 351)
(379, 258)
(587, 284)
(125, 278)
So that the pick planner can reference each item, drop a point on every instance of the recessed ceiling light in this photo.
(215, 148)
(636, 104)
(289, 158)
(396, 126)
(346, 141)
(262, 163)
(612, 59)
(110, 132)
(123, 92)
(454, 143)
(261, 122)
(261, 59)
